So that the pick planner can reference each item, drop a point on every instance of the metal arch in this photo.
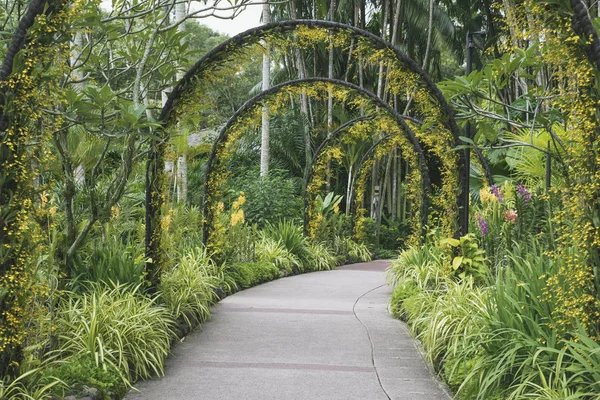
(365, 157)
(219, 53)
(224, 133)
(253, 35)
(325, 144)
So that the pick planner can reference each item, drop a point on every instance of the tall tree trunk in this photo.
(380, 84)
(394, 185)
(429, 37)
(302, 73)
(181, 177)
(266, 84)
(384, 189)
(332, 8)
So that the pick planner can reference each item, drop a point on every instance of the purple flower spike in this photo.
(482, 224)
(496, 191)
(524, 194)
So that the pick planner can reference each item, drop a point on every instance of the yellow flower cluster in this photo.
(486, 196)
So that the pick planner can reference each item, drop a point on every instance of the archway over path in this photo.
(226, 52)
(210, 186)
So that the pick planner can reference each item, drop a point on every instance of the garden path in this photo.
(324, 335)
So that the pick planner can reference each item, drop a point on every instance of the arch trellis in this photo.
(224, 53)
(221, 140)
(332, 137)
(321, 151)
(370, 154)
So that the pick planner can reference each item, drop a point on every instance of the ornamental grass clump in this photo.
(119, 328)
(350, 250)
(28, 387)
(291, 237)
(423, 265)
(270, 250)
(189, 288)
(319, 257)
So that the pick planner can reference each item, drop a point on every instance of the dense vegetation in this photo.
(121, 224)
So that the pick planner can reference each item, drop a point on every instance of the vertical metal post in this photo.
(548, 168)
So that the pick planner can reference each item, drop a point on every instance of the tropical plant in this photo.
(319, 257)
(112, 261)
(350, 250)
(470, 260)
(269, 198)
(267, 249)
(423, 265)
(291, 237)
(249, 274)
(79, 376)
(119, 328)
(27, 387)
(188, 289)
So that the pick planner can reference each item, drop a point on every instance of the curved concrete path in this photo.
(324, 335)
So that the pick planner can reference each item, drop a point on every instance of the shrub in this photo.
(80, 374)
(113, 261)
(251, 274)
(384, 254)
(182, 232)
(455, 315)
(424, 265)
(470, 260)
(403, 290)
(518, 319)
(119, 328)
(393, 236)
(270, 198)
(350, 250)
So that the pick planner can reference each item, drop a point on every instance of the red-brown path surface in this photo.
(318, 336)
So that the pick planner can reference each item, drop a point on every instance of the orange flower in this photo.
(511, 216)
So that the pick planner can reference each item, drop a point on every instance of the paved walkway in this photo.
(324, 335)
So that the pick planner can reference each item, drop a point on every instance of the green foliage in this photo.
(470, 260)
(424, 266)
(350, 250)
(393, 234)
(250, 274)
(182, 233)
(269, 199)
(328, 204)
(112, 261)
(518, 318)
(78, 375)
(402, 291)
(319, 257)
(28, 386)
(241, 242)
(291, 237)
(119, 328)
(454, 314)
(270, 250)
(331, 223)
(384, 254)
(369, 236)
(188, 289)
